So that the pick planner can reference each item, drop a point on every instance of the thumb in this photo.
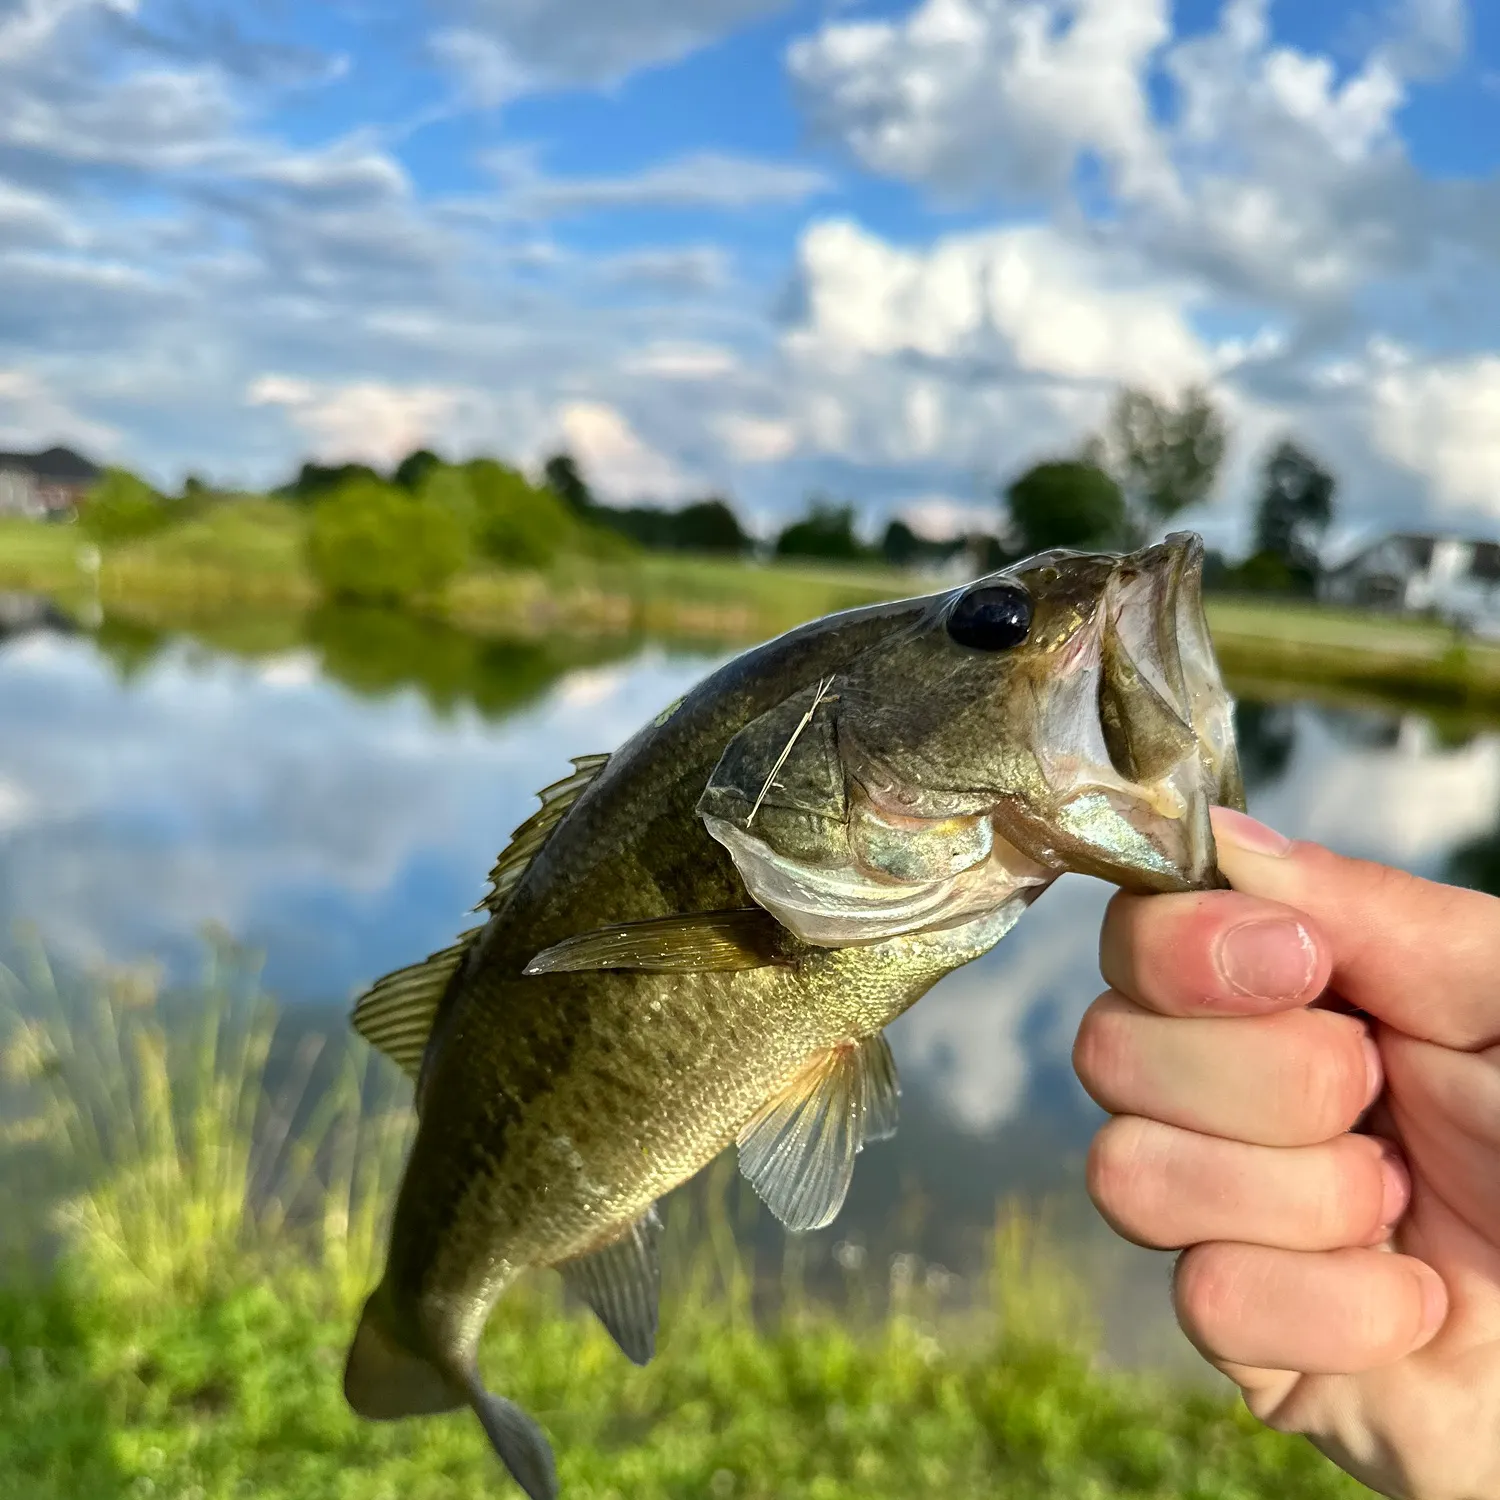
(1417, 955)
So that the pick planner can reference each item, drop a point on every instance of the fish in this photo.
(699, 939)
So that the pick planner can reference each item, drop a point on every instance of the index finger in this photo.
(1420, 956)
(1212, 953)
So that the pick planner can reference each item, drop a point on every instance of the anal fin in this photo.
(622, 1283)
(798, 1151)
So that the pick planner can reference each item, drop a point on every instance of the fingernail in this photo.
(1374, 1070)
(1395, 1189)
(1434, 1303)
(1272, 960)
(1238, 828)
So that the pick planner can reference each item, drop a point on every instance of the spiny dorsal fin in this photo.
(798, 1152)
(532, 834)
(396, 1013)
(622, 1283)
(695, 943)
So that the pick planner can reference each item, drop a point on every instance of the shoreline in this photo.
(713, 601)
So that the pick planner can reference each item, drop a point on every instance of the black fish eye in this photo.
(993, 618)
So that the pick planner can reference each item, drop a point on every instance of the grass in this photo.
(247, 557)
(218, 1187)
(249, 554)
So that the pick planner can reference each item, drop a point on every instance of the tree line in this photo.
(396, 535)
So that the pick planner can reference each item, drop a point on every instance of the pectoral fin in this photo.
(622, 1283)
(798, 1152)
(699, 942)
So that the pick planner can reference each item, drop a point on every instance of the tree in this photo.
(121, 507)
(900, 546)
(1067, 503)
(414, 468)
(827, 532)
(313, 481)
(709, 526)
(568, 484)
(516, 523)
(370, 542)
(1294, 510)
(1165, 457)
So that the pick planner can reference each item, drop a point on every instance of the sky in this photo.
(892, 252)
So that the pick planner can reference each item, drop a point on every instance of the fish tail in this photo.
(517, 1440)
(385, 1379)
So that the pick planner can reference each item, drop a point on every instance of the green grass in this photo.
(248, 555)
(220, 1205)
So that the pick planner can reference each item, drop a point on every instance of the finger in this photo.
(1419, 955)
(1290, 1079)
(1335, 1312)
(1214, 952)
(1164, 1188)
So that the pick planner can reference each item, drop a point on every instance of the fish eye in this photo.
(993, 618)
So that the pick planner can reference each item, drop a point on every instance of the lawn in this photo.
(218, 1205)
(248, 555)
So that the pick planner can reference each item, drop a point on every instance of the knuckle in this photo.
(1103, 1050)
(1324, 1078)
(1210, 1291)
(1122, 1173)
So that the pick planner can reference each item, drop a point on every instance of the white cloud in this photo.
(487, 70)
(688, 268)
(705, 179)
(985, 342)
(33, 415)
(600, 41)
(368, 420)
(620, 465)
(939, 517)
(1441, 419)
(998, 96)
(756, 440)
(674, 361)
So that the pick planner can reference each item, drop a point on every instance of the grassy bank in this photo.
(248, 558)
(249, 555)
(1302, 642)
(219, 1192)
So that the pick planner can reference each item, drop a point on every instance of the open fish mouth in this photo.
(1156, 613)
(1166, 721)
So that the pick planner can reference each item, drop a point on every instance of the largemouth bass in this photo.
(699, 939)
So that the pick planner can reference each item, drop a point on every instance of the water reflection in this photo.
(333, 790)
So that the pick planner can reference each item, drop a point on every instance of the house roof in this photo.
(1414, 551)
(61, 465)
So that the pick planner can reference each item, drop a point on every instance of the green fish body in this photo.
(700, 938)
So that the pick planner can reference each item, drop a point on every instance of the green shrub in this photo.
(121, 507)
(373, 543)
(516, 523)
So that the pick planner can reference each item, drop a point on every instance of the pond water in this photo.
(334, 792)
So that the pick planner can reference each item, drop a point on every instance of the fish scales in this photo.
(707, 945)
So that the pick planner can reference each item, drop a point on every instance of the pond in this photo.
(332, 792)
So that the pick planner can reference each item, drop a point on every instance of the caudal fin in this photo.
(384, 1380)
(520, 1443)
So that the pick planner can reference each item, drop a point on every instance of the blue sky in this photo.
(894, 251)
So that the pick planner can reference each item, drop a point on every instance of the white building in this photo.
(1456, 579)
(44, 486)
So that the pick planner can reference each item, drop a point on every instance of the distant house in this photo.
(44, 486)
(1455, 578)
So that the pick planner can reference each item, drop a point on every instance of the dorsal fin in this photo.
(397, 1013)
(532, 834)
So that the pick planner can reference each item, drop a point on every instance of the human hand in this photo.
(1349, 1283)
